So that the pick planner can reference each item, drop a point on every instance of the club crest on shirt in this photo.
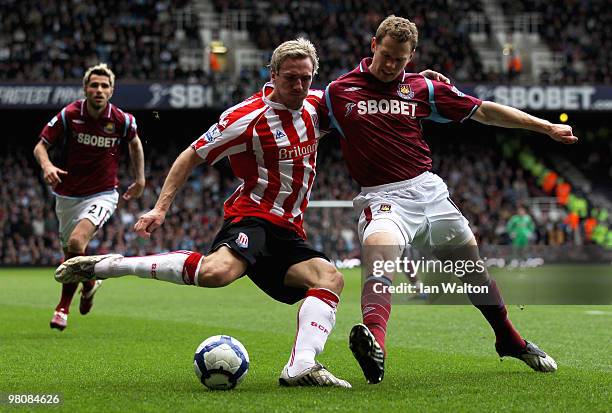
(109, 128)
(385, 208)
(242, 240)
(404, 91)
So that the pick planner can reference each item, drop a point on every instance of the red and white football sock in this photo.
(316, 319)
(376, 307)
(178, 267)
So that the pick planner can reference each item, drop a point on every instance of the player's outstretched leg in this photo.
(508, 341)
(178, 267)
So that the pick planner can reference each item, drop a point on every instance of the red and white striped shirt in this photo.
(273, 150)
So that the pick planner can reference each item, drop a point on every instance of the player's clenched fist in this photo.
(562, 133)
(149, 222)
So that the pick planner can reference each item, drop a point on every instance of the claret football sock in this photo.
(376, 308)
(68, 291)
(497, 315)
(178, 267)
(316, 319)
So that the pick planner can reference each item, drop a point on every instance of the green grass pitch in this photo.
(134, 352)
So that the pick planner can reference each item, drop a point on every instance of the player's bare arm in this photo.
(51, 173)
(136, 189)
(491, 113)
(180, 171)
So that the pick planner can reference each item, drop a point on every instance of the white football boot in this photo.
(533, 356)
(80, 268)
(316, 376)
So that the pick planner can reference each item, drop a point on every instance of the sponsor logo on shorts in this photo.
(109, 128)
(404, 91)
(242, 240)
(385, 208)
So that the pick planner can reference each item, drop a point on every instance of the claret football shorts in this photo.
(419, 211)
(97, 208)
(269, 251)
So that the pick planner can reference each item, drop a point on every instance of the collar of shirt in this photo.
(106, 113)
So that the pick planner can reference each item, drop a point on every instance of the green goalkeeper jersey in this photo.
(520, 228)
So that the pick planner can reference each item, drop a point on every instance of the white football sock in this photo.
(316, 319)
(178, 267)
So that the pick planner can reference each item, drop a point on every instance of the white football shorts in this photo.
(97, 208)
(418, 211)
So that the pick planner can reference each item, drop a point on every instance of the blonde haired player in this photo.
(270, 139)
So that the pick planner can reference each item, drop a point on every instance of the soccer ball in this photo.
(221, 362)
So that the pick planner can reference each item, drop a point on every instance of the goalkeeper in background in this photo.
(520, 228)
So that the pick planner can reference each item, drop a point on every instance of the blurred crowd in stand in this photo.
(53, 40)
(486, 187)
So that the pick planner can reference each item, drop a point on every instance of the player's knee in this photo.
(217, 271)
(76, 244)
(332, 279)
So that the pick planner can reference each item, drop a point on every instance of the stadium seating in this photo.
(578, 29)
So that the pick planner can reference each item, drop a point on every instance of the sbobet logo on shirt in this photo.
(384, 106)
(99, 141)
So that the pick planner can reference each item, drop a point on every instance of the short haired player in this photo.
(89, 135)
(377, 109)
